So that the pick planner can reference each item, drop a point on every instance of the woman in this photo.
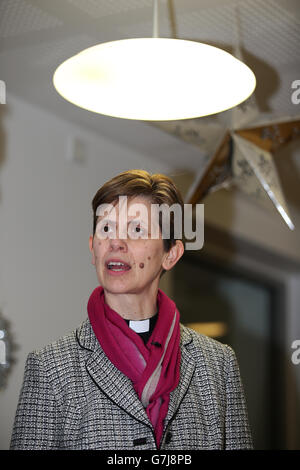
(132, 376)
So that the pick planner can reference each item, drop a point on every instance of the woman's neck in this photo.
(133, 306)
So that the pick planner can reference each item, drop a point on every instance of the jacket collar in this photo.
(87, 338)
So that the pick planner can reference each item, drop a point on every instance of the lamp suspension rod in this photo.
(237, 32)
(155, 19)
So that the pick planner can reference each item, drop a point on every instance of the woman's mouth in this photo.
(117, 267)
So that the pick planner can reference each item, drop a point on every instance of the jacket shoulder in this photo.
(203, 343)
(61, 346)
(215, 360)
(210, 353)
(60, 361)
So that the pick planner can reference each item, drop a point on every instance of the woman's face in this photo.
(143, 258)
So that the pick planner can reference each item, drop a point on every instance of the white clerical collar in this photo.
(140, 326)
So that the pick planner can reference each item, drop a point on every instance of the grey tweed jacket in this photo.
(73, 397)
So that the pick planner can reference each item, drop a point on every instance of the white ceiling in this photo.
(37, 35)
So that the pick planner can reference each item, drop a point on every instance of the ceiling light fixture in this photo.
(154, 79)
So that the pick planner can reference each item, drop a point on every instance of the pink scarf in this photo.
(153, 368)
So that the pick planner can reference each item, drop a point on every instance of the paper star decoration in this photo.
(236, 149)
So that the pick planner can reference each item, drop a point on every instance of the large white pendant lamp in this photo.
(154, 79)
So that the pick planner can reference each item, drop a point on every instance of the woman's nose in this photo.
(118, 244)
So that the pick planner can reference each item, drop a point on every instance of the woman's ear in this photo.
(92, 248)
(173, 255)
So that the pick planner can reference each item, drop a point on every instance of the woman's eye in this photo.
(139, 229)
(105, 229)
(136, 230)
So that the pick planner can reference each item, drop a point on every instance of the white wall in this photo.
(45, 220)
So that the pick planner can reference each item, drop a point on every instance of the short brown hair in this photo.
(131, 183)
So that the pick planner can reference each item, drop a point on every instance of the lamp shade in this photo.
(154, 79)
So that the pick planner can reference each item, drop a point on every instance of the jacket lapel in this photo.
(187, 367)
(118, 387)
(113, 383)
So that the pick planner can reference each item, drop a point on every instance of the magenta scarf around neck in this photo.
(154, 370)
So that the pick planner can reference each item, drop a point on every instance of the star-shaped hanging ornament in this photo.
(236, 148)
